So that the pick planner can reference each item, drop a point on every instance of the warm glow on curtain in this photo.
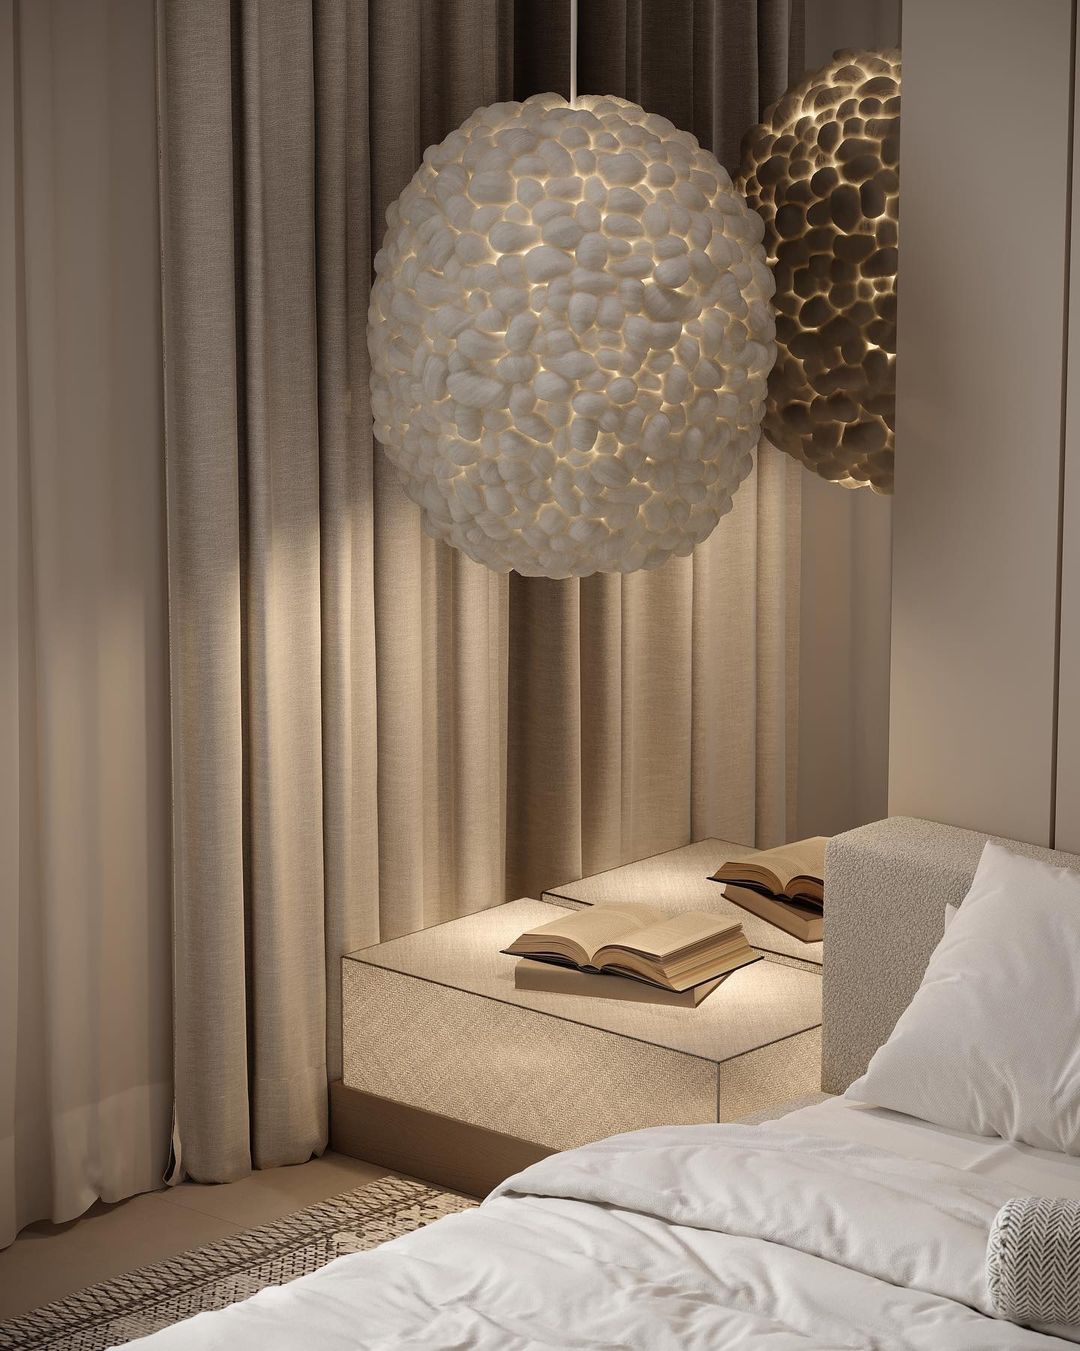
(371, 733)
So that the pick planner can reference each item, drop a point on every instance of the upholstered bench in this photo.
(449, 1068)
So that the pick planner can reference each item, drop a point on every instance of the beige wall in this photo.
(983, 256)
(1067, 786)
(845, 609)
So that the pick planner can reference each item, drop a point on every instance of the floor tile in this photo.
(47, 1262)
(269, 1193)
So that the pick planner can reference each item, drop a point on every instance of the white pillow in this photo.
(991, 1042)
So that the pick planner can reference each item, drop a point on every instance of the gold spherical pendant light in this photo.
(570, 338)
(822, 170)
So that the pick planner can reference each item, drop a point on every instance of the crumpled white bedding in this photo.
(735, 1237)
(1023, 1168)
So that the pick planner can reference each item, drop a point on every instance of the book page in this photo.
(671, 935)
(801, 858)
(599, 925)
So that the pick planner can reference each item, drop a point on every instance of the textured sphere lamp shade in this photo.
(823, 171)
(570, 338)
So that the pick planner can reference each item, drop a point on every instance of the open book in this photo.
(553, 978)
(674, 952)
(795, 918)
(794, 872)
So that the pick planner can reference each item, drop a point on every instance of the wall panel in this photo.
(986, 144)
(1067, 786)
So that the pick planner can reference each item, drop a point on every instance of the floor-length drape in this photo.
(659, 707)
(370, 732)
(85, 1053)
(338, 681)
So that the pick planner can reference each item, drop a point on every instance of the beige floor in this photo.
(47, 1261)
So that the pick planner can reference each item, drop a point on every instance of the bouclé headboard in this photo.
(886, 888)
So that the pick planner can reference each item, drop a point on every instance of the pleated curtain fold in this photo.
(85, 1001)
(711, 66)
(370, 733)
(654, 708)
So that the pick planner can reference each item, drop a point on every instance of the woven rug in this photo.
(143, 1301)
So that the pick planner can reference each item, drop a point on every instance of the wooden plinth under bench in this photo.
(427, 1145)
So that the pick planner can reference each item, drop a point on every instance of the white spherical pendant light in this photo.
(570, 337)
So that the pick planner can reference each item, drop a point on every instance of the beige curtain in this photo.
(85, 1047)
(661, 707)
(370, 733)
(338, 682)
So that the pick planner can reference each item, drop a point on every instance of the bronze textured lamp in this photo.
(822, 170)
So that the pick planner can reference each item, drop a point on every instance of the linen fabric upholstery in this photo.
(959, 1055)
(886, 884)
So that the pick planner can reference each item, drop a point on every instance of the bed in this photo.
(839, 1225)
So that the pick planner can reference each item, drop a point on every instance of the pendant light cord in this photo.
(573, 49)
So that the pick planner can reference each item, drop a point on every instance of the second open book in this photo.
(673, 952)
(785, 886)
(793, 872)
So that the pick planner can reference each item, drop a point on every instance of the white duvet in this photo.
(685, 1237)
